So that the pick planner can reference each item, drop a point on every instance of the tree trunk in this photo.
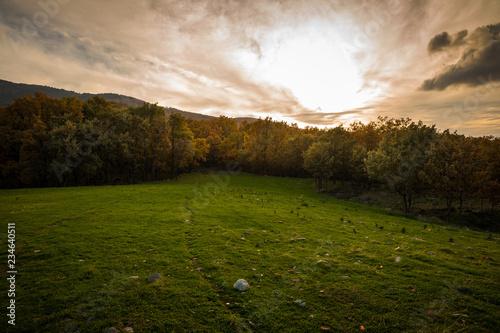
(460, 209)
(448, 206)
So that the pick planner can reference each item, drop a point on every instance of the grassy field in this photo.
(314, 264)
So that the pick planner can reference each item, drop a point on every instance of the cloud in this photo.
(480, 59)
(444, 40)
(215, 56)
(316, 118)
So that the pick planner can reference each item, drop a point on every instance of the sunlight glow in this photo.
(313, 67)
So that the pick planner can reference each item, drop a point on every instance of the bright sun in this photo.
(313, 67)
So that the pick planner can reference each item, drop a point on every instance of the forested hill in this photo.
(10, 90)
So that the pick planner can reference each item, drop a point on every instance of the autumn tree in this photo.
(181, 138)
(456, 170)
(401, 155)
(156, 143)
(317, 160)
(335, 157)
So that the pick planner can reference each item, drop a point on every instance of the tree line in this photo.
(68, 142)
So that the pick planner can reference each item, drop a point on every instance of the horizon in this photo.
(318, 63)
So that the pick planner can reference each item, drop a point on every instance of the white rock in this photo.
(398, 259)
(241, 285)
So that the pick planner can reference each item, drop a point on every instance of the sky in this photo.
(311, 62)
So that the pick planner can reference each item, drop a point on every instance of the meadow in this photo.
(314, 263)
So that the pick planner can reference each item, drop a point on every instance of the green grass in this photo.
(76, 249)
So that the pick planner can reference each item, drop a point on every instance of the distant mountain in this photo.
(10, 90)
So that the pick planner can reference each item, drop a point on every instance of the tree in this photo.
(317, 160)
(336, 157)
(257, 140)
(401, 155)
(25, 125)
(156, 142)
(457, 169)
(292, 150)
(440, 171)
(181, 139)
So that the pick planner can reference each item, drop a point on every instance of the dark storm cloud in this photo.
(479, 63)
(444, 40)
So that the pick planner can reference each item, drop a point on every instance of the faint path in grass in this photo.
(240, 322)
(92, 209)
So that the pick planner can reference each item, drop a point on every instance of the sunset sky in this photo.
(311, 62)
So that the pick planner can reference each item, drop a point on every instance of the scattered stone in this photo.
(36, 251)
(298, 301)
(398, 259)
(223, 283)
(301, 239)
(389, 289)
(389, 243)
(155, 277)
(345, 277)
(292, 240)
(134, 277)
(241, 285)
(111, 330)
(128, 329)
